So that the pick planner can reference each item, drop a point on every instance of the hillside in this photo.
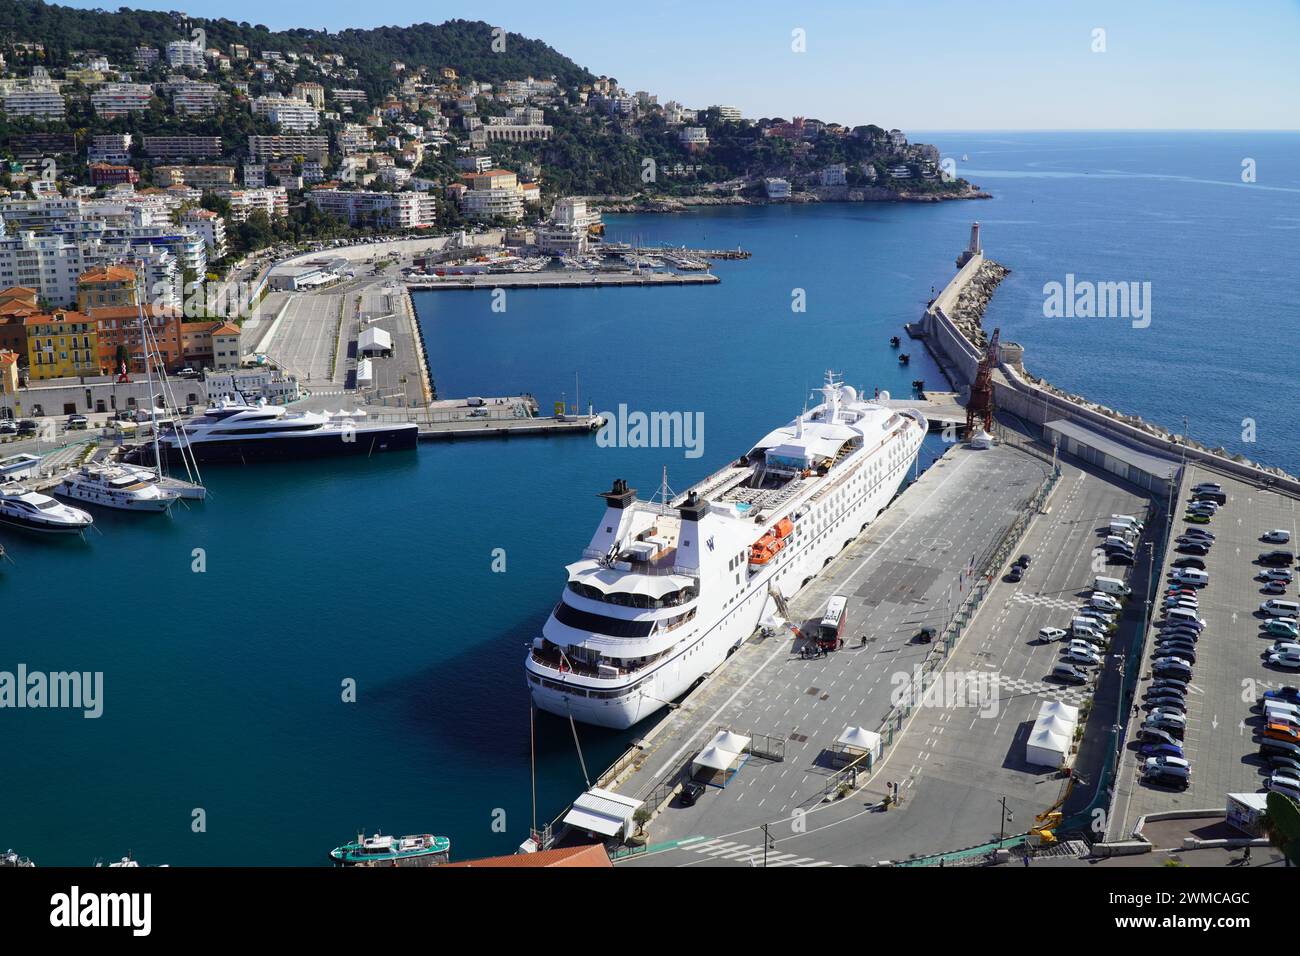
(463, 45)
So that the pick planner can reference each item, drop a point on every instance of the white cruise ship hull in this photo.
(620, 705)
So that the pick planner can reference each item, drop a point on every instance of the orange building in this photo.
(106, 286)
(61, 345)
(120, 326)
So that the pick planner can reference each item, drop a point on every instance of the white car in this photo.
(1275, 574)
(1077, 655)
(1289, 661)
(1276, 536)
(1051, 634)
(1086, 646)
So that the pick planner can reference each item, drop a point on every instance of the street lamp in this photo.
(1004, 818)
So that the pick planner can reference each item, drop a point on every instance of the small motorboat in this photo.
(904, 358)
(895, 342)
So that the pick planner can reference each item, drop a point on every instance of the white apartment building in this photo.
(210, 227)
(37, 215)
(834, 175)
(110, 148)
(729, 113)
(290, 114)
(254, 175)
(263, 149)
(38, 102)
(196, 99)
(50, 264)
(404, 210)
(272, 200)
(493, 194)
(185, 53)
(117, 99)
(312, 93)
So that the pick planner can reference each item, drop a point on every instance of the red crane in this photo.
(980, 405)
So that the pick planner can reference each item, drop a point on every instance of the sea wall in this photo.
(1036, 401)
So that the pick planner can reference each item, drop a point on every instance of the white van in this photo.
(1272, 707)
(1117, 530)
(1129, 520)
(1112, 586)
(1275, 608)
(1103, 601)
(1191, 576)
(1085, 627)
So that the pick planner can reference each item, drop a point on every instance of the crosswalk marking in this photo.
(748, 853)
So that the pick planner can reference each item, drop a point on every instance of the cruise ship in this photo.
(235, 431)
(666, 590)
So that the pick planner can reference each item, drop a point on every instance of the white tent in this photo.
(1046, 749)
(860, 741)
(733, 742)
(365, 372)
(713, 758)
(374, 339)
(1053, 733)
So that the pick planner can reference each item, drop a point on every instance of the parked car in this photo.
(1050, 634)
(1281, 557)
(1160, 750)
(1023, 560)
(1120, 557)
(1288, 694)
(1173, 682)
(1290, 662)
(1194, 548)
(1273, 587)
(1190, 563)
(1276, 574)
(8, 428)
(1195, 517)
(1077, 655)
(1015, 573)
(27, 427)
(1068, 674)
(1280, 762)
(1154, 735)
(1277, 536)
(691, 792)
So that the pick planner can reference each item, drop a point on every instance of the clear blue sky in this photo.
(924, 64)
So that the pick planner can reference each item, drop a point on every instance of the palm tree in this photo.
(1280, 823)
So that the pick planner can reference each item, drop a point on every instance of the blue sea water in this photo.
(223, 689)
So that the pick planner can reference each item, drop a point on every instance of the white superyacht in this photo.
(111, 486)
(665, 591)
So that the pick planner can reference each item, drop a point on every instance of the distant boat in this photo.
(380, 850)
(965, 158)
(904, 358)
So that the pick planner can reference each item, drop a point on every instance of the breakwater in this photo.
(947, 329)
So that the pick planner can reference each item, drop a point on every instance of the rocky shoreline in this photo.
(973, 299)
(669, 204)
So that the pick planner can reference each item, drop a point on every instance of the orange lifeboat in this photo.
(765, 549)
(784, 528)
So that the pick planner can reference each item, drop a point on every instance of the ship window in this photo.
(600, 623)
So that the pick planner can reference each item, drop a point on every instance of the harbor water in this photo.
(230, 633)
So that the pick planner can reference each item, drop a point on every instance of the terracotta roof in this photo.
(108, 274)
(226, 328)
(17, 292)
(590, 855)
(8, 358)
(16, 307)
(45, 318)
(131, 311)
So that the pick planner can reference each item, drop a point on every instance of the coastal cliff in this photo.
(828, 194)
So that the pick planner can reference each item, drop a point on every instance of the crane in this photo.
(980, 405)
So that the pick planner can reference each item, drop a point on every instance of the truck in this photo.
(1112, 586)
(475, 402)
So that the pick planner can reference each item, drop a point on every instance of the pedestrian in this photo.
(1246, 859)
(1026, 859)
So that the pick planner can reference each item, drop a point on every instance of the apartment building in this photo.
(110, 148)
(118, 99)
(494, 194)
(61, 344)
(210, 227)
(272, 200)
(404, 210)
(263, 149)
(37, 102)
(182, 147)
(49, 264)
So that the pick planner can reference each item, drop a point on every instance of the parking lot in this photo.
(1230, 670)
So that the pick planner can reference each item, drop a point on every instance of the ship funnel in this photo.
(614, 525)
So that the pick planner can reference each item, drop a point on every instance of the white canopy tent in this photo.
(1052, 735)
(717, 761)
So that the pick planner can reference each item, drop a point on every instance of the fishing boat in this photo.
(113, 487)
(422, 849)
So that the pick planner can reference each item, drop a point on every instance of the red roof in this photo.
(590, 855)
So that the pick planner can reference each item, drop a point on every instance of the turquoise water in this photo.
(223, 688)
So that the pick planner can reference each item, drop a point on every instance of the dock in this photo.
(941, 409)
(561, 280)
(509, 427)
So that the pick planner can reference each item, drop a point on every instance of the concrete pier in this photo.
(561, 280)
